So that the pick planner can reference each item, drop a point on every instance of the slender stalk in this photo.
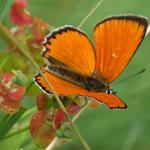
(9, 116)
(29, 112)
(26, 113)
(4, 119)
(3, 62)
(52, 145)
(8, 124)
(29, 86)
(26, 53)
(9, 36)
(81, 111)
(15, 133)
(3, 5)
(90, 13)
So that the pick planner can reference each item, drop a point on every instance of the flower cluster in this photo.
(28, 29)
(50, 121)
(11, 91)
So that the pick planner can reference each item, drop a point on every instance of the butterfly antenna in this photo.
(129, 77)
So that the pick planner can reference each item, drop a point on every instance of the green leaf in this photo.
(3, 117)
(3, 62)
(4, 7)
(9, 122)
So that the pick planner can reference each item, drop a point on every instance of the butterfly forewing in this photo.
(71, 47)
(117, 39)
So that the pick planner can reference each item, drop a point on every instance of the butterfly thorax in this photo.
(89, 83)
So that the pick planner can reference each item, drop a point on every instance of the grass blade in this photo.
(4, 7)
(8, 124)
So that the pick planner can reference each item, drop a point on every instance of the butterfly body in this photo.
(89, 83)
(75, 66)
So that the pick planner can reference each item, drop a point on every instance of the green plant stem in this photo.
(90, 13)
(3, 62)
(29, 86)
(15, 133)
(9, 36)
(4, 119)
(80, 112)
(51, 146)
(9, 122)
(23, 129)
(4, 7)
(31, 111)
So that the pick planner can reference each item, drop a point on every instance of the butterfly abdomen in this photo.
(87, 82)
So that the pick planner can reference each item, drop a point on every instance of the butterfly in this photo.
(76, 66)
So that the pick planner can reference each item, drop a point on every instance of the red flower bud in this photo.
(73, 108)
(41, 129)
(16, 93)
(59, 117)
(18, 14)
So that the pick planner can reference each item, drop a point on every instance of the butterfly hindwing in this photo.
(117, 39)
(66, 88)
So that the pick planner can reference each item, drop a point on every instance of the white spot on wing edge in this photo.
(148, 30)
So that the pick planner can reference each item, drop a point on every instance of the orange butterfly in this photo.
(75, 66)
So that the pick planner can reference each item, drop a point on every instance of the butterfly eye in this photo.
(110, 91)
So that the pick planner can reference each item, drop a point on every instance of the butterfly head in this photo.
(111, 91)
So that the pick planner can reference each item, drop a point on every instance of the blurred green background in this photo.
(103, 129)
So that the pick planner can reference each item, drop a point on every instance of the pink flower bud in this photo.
(73, 108)
(59, 117)
(18, 14)
(16, 93)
